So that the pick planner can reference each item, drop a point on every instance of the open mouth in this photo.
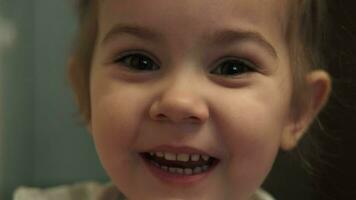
(180, 164)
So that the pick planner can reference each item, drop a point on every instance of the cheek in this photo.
(117, 112)
(250, 124)
(109, 126)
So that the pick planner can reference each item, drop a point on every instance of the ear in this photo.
(319, 85)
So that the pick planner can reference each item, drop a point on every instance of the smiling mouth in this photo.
(181, 164)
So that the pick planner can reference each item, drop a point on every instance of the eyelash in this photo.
(236, 66)
(224, 68)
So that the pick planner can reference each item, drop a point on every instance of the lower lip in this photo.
(177, 179)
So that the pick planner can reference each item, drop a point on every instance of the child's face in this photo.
(204, 77)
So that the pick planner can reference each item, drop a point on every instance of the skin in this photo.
(242, 119)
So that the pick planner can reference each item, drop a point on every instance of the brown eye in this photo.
(233, 68)
(138, 62)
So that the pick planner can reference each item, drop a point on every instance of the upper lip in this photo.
(179, 149)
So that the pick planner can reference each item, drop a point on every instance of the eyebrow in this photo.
(221, 38)
(228, 36)
(137, 31)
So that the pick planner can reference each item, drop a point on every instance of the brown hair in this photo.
(80, 62)
(304, 35)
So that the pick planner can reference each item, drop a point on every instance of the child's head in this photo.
(233, 80)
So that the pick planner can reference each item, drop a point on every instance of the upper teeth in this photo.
(184, 157)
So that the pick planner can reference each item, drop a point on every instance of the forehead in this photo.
(186, 17)
(212, 10)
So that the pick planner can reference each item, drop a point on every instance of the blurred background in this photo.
(43, 143)
(42, 140)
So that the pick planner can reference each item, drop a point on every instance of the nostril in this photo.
(193, 119)
(161, 116)
(179, 111)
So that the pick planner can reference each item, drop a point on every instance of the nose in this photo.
(179, 106)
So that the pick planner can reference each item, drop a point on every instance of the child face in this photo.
(189, 78)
